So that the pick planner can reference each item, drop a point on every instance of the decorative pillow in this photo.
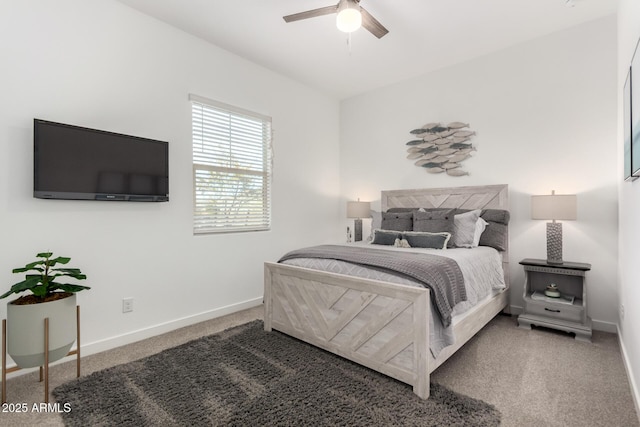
(418, 239)
(401, 243)
(376, 223)
(464, 229)
(495, 235)
(399, 221)
(500, 216)
(385, 237)
(434, 221)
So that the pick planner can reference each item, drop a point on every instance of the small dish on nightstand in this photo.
(552, 291)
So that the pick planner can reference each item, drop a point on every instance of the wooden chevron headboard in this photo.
(477, 197)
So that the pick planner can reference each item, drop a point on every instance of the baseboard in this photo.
(88, 349)
(515, 310)
(140, 334)
(635, 392)
(599, 325)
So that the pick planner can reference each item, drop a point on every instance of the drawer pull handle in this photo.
(551, 310)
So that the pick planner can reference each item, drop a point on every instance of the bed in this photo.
(375, 323)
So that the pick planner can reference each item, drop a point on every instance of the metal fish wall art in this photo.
(440, 148)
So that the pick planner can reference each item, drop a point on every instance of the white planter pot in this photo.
(25, 331)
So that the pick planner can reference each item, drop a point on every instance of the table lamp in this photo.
(554, 207)
(358, 210)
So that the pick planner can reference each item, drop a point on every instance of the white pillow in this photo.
(465, 229)
(481, 225)
(376, 222)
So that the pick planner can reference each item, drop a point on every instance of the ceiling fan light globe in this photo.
(349, 20)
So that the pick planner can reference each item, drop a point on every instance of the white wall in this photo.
(103, 65)
(629, 193)
(545, 116)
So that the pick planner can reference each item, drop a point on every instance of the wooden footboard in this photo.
(379, 325)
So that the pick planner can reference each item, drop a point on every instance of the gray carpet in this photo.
(245, 376)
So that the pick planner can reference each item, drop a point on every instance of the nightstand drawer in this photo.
(556, 311)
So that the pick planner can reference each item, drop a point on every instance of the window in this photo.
(231, 168)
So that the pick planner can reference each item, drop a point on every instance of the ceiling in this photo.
(424, 35)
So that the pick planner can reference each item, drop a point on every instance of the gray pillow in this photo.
(418, 239)
(399, 221)
(495, 235)
(496, 215)
(384, 237)
(434, 221)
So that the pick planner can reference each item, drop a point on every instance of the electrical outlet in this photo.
(127, 305)
(621, 311)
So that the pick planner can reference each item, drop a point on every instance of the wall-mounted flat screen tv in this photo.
(76, 163)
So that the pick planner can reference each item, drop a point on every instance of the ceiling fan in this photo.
(351, 16)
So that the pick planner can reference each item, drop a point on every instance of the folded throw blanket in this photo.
(440, 274)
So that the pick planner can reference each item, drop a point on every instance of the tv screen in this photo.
(72, 162)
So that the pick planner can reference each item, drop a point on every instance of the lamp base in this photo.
(554, 243)
(357, 230)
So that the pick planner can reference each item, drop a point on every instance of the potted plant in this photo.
(48, 299)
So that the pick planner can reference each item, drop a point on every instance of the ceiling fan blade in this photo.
(311, 13)
(372, 25)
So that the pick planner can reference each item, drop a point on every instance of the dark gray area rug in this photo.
(245, 376)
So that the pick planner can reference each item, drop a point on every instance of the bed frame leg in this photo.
(421, 390)
(421, 311)
(268, 307)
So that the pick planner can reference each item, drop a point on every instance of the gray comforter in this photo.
(441, 275)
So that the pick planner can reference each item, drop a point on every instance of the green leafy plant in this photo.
(44, 281)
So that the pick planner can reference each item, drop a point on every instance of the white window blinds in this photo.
(231, 168)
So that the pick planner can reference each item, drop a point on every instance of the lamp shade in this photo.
(358, 209)
(554, 207)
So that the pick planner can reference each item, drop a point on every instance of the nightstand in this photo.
(568, 312)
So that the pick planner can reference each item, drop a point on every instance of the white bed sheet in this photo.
(481, 269)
